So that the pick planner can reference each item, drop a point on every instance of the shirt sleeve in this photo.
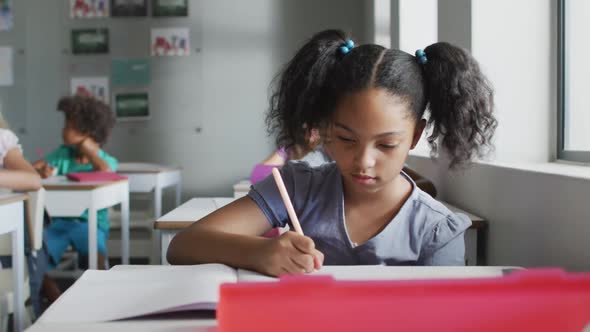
(451, 254)
(110, 160)
(59, 158)
(266, 195)
(302, 184)
(8, 141)
(445, 245)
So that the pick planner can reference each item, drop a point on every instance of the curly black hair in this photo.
(450, 84)
(89, 116)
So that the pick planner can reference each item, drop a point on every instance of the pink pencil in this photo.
(287, 201)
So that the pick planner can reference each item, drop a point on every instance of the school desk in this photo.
(475, 251)
(204, 321)
(145, 178)
(183, 216)
(12, 222)
(65, 198)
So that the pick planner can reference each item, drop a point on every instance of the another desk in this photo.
(12, 221)
(183, 216)
(197, 208)
(143, 178)
(66, 198)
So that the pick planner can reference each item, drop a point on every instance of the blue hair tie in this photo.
(347, 47)
(421, 56)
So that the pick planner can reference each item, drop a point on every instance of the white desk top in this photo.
(203, 321)
(191, 211)
(144, 168)
(62, 183)
(169, 323)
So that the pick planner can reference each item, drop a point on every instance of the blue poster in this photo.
(126, 72)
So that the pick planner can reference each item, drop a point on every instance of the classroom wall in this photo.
(207, 109)
(414, 26)
(538, 217)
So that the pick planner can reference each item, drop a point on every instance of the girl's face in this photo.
(71, 135)
(370, 137)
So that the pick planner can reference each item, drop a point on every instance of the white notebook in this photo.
(134, 290)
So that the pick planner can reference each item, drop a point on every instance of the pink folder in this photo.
(529, 300)
(95, 176)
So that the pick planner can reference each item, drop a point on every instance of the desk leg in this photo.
(471, 246)
(125, 226)
(178, 192)
(92, 244)
(156, 257)
(158, 199)
(18, 260)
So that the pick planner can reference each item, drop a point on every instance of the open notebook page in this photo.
(124, 293)
(382, 272)
(132, 290)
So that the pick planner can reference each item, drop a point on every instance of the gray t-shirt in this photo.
(424, 231)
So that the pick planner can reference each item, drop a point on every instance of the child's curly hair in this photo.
(89, 116)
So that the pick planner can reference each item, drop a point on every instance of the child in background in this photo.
(16, 173)
(87, 126)
(313, 154)
(368, 104)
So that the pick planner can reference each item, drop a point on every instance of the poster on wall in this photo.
(6, 64)
(169, 8)
(6, 15)
(132, 105)
(97, 87)
(89, 8)
(125, 72)
(128, 8)
(170, 42)
(90, 41)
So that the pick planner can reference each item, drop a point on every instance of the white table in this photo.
(144, 177)
(197, 208)
(172, 324)
(183, 216)
(200, 321)
(66, 198)
(12, 221)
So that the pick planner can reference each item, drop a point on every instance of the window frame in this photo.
(562, 107)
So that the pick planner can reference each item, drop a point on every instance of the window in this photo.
(573, 73)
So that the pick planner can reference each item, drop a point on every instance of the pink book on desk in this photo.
(95, 176)
(527, 300)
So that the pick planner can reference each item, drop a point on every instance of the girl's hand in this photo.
(289, 253)
(44, 169)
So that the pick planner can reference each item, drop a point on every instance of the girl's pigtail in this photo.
(461, 102)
